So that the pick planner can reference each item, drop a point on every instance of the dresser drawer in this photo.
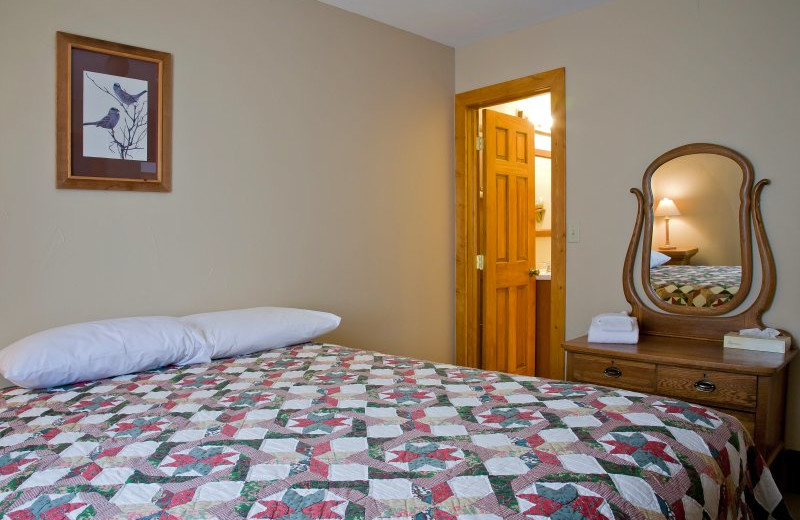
(632, 375)
(707, 386)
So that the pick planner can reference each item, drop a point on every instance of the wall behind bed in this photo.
(312, 167)
(645, 76)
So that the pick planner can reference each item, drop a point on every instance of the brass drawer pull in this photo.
(612, 372)
(705, 385)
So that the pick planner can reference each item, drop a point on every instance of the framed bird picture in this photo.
(113, 116)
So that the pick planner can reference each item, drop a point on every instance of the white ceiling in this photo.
(460, 22)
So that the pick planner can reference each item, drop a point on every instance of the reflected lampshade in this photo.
(666, 208)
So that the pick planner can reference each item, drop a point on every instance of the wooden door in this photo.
(509, 287)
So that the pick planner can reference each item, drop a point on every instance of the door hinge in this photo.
(479, 143)
(479, 262)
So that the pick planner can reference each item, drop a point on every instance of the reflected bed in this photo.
(696, 285)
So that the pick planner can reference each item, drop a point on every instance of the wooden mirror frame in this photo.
(667, 320)
(745, 244)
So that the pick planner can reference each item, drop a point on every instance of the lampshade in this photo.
(666, 208)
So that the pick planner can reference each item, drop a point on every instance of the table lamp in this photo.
(666, 208)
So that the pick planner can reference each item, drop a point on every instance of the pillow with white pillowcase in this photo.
(244, 331)
(657, 259)
(100, 349)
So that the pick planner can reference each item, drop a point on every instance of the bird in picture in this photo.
(126, 98)
(109, 121)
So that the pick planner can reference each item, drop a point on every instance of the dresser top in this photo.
(686, 352)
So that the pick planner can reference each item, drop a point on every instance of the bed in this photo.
(329, 432)
(696, 285)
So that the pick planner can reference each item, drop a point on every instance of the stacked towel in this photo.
(614, 328)
(614, 322)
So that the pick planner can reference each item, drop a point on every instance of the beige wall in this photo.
(312, 167)
(644, 76)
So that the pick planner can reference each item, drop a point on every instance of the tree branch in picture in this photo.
(134, 123)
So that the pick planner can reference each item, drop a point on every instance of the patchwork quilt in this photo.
(320, 431)
(696, 285)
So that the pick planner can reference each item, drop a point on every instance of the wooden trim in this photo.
(65, 177)
(697, 325)
(698, 354)
(467, 105)
(466, 244)
(772, 393)
(542, 153)
(628, 287)
(768, 280)
(544, 233)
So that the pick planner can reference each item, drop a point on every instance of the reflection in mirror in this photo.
(696, 258)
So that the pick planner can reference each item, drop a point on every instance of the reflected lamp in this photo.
(666, 208)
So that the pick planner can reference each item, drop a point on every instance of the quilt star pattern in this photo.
(320, 431)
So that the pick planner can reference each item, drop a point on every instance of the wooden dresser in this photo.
(748, 385)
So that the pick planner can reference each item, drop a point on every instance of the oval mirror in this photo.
(697, 250)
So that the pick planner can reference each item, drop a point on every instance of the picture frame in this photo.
(113, 116)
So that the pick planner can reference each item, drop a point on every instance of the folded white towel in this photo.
(599, 335)
(614, 322)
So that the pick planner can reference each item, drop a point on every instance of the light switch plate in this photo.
(573, 233)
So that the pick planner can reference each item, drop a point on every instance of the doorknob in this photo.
(533, 272)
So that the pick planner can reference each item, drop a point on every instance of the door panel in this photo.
(501, 215)
(524, 324)
(522, 147)
(501, 331)
(509, 292)
(522, 218)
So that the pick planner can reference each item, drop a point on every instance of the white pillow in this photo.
(244, 331)
(99, 349)
(657, 259)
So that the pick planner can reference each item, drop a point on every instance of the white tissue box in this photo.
(735, 340)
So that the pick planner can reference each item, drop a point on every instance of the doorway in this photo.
(470, 244)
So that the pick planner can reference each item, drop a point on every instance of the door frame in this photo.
(467, 105)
